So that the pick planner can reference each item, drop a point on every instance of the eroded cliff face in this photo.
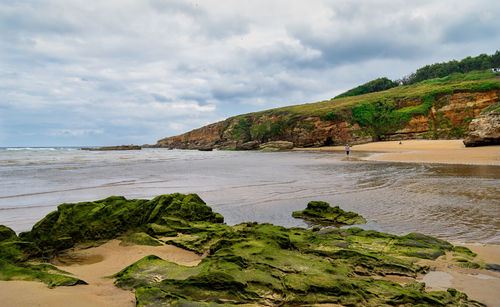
(201, 138)
(449, 117)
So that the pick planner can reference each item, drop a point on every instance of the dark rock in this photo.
(205, 149)
(321, 212)
(493, 267)
(248, 145)
(120, 147)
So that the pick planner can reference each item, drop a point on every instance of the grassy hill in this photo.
(360, 118)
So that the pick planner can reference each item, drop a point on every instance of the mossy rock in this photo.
(6, 233)
(264, 264)
(249, 263)
(160, 230)
(320, 212)
(108, 218)
(140, 238)
(464, 250)
(45, 273)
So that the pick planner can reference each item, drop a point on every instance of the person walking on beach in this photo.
(347, 149)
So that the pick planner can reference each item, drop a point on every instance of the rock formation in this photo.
(485, 129)
(248, 263)
(120, 147)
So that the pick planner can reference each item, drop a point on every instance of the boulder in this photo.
(248, 145)
(320, 212)
(276, 145)
(485, 129)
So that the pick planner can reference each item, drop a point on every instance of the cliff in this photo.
(437, 108)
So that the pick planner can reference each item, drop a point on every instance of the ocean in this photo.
(458, 203)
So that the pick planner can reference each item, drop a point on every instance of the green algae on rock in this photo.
(140, 238)
(264, 264)
(320, 212)
(90, 222)
(14, 254)
(108, 218)
(249, 263)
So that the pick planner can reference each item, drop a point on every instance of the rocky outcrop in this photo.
(448, 118)
(120, 147)
(276, 145)
(485, 129)
(320, 212)
(204, 137)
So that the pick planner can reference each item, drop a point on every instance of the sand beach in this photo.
(92, 265)
(422, 151)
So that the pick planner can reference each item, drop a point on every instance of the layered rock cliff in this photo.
(438, 113)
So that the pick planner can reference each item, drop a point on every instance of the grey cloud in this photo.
(147, 70)
(160, 98)
(472, 29)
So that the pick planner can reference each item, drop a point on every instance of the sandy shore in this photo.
(96, 263)
(428, 151)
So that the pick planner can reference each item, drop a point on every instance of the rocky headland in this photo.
(445, 108)
(249, 263)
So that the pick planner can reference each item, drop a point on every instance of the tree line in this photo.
(437, 70)
(440, 70)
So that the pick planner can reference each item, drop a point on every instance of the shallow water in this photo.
(452, 202)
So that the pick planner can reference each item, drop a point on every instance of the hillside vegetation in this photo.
(437, 70)
(434, 108)
(377, 113)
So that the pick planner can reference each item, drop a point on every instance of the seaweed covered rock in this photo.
(14, 254)
(320, 212)
(263, 264)
(106, 219)
(140, 238)
(6, 233)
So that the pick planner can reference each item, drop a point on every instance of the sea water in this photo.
(452, 202)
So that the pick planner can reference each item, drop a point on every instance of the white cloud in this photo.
(128, 67)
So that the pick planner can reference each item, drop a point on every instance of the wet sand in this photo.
(427, 151)
(100, 291)
(480, 285)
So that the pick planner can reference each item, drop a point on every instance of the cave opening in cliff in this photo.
(328, 142)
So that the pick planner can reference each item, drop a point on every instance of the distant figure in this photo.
(347, 149)
(400, 143)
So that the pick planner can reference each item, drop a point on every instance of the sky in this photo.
(82, 73)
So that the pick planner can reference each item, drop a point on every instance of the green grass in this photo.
(470, 82)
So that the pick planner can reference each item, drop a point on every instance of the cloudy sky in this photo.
(123, 71)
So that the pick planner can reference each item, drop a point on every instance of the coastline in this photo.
(422, 151)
